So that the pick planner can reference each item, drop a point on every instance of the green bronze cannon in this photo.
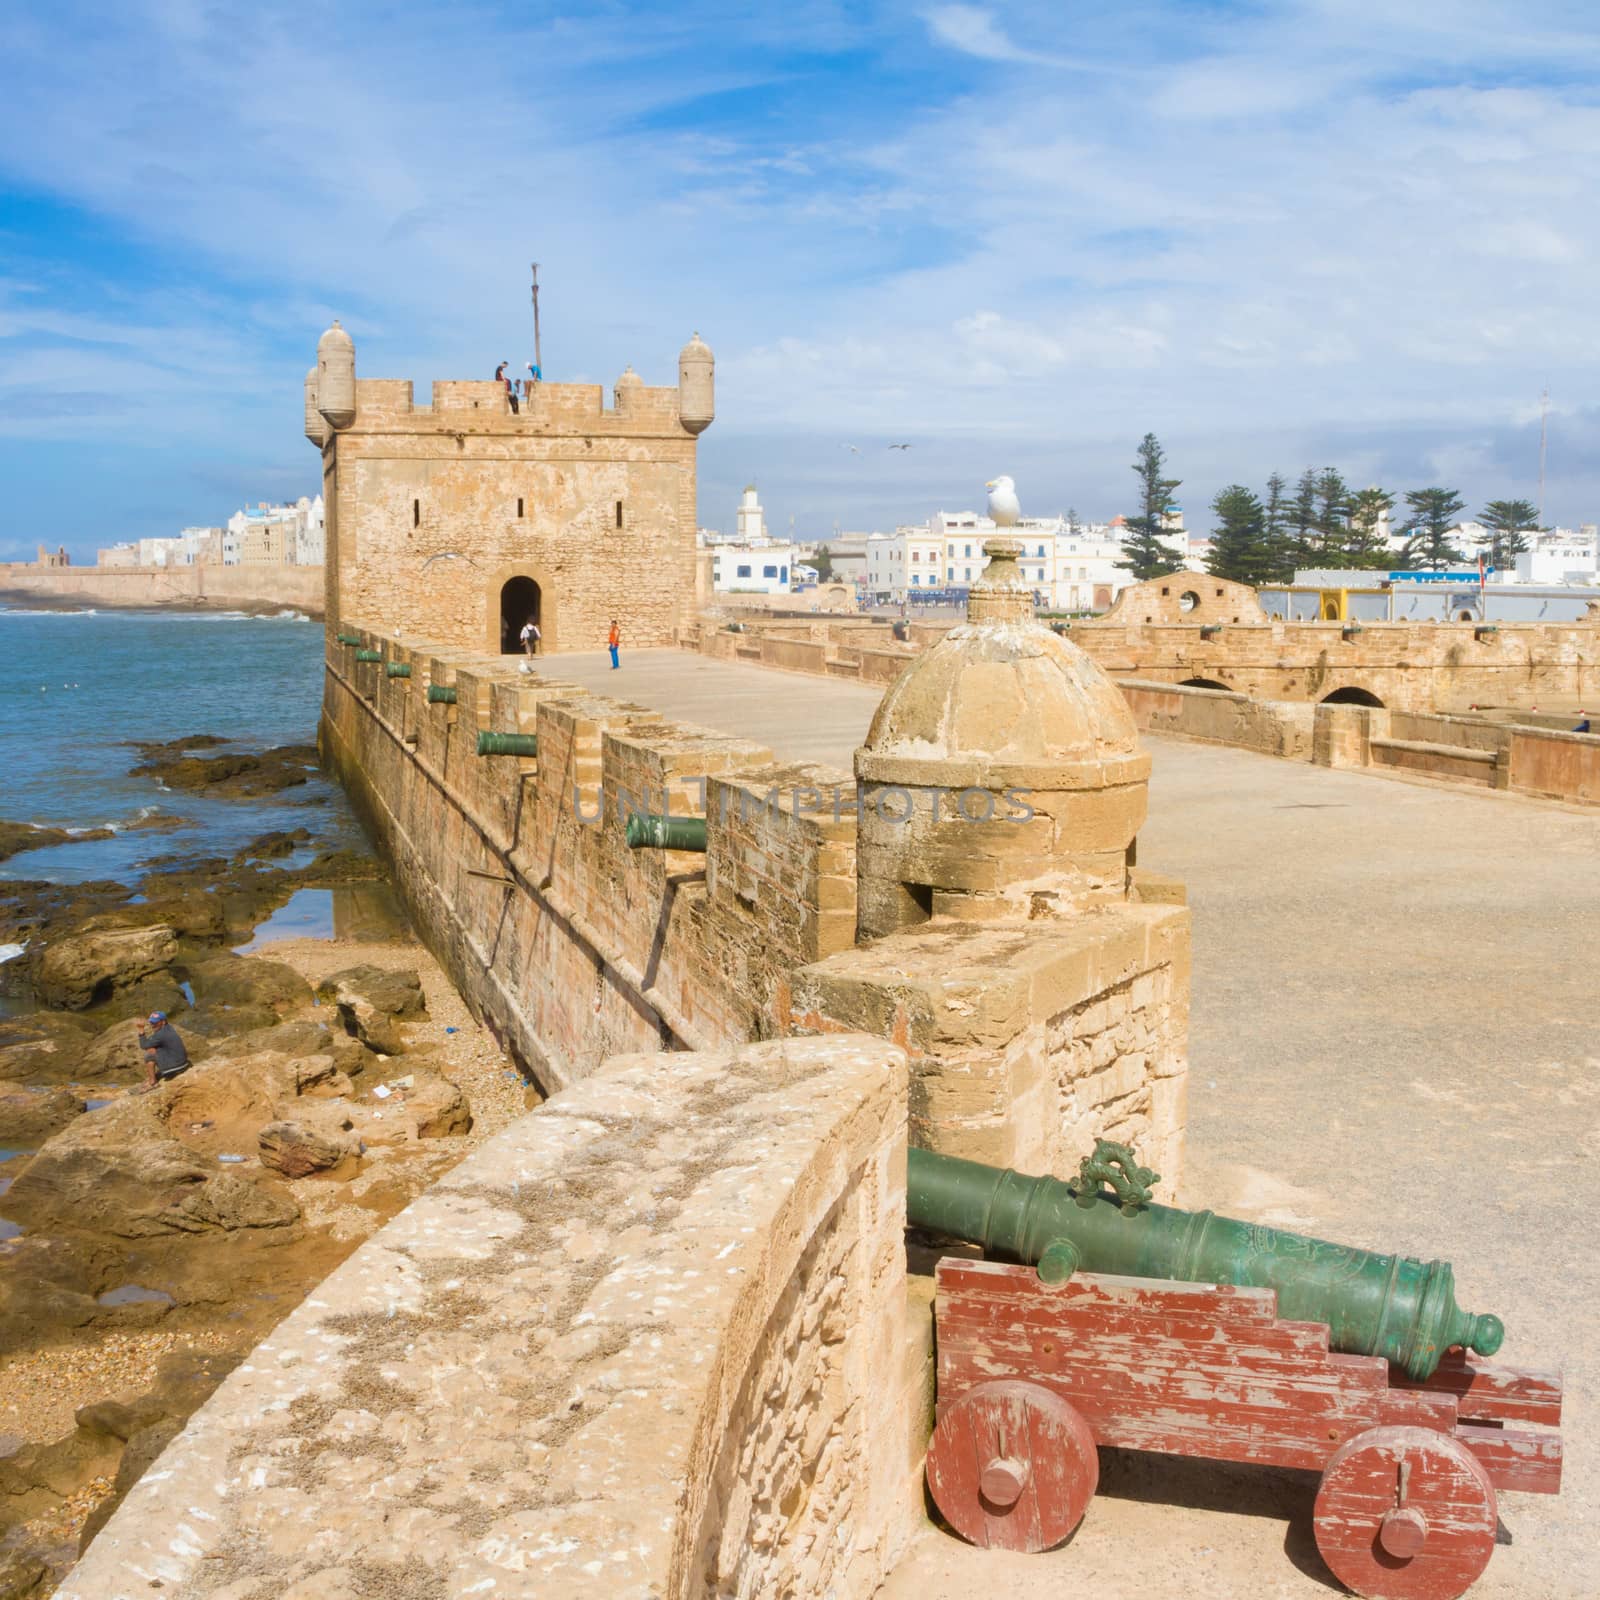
(369, 655)
(1377, 1305)
(508, 744)
(650, 831)
(441, 694)
(398, 669)
(348, 638)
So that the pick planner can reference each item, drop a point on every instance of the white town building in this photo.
(1071, 566)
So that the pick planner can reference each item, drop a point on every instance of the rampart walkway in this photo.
(1392, 1045)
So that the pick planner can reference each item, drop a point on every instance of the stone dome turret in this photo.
(626, 385)
(697, 407)
(317, 429)
(336, 376)
(1006, 768)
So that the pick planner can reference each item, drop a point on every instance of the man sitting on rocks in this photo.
(164, 1053)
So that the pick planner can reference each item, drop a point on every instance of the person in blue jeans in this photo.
(613, 643)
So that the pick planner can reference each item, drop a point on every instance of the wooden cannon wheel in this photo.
(1405, 1514)
(1012, 1466)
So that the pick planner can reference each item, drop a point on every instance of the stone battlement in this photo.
(387, 405)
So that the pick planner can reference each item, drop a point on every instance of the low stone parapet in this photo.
(1221, 716)
(650, 1341)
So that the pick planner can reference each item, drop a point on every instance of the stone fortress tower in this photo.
(458, 521)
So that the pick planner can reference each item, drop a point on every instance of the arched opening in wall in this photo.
(1465, 616)
(1351, 697)
(1102, 598)
(1187, 601)
(1201, 683)
(519, 605)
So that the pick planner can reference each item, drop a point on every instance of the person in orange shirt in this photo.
(613, 643)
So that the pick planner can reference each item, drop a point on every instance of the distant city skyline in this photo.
(1310, 235)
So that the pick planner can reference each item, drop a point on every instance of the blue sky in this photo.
(1019, 236)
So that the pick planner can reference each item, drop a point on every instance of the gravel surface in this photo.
(42, 1388)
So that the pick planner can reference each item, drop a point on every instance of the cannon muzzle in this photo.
(647, 830)
(369, 655)
(1374, 1305)
(441, 694)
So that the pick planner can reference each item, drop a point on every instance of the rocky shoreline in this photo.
(149, 1241)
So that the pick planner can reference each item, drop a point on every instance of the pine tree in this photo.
(1275, 531)
(1332, 516)
(1303, 518)
(1147, 557)
(1365, 544)
(1434, 513)
(1507, 521)
(1239, 548)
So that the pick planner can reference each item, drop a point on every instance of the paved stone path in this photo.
(800, 718)
(1392, 1045)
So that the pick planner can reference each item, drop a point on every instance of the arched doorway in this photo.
(1202, 683)
(1352, 697)
(519, 604)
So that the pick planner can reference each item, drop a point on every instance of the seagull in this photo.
(899, 447)
(1003, 506)
(854, 449)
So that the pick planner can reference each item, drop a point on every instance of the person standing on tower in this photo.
(501, 376)
(614, 643)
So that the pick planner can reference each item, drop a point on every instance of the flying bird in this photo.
(899, 447)
(1003, 506)
(854, 449)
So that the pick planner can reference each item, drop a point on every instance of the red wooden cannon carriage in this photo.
(1033, 1376)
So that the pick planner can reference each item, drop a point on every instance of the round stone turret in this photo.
(1001, 778)
(336, 377)
(626, 384)
(317, 429)
(696, 387)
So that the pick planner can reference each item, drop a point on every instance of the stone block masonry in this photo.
(651, 1341)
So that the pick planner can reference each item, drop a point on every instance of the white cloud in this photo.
(974, 32)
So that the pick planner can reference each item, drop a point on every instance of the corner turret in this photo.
(696, 389)
(336, 377)
(317, 429)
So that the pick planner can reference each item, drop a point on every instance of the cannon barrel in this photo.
(442, 694)
(508, 744)
(348, 638)
(1373, 1304)
(398, 669)
(369, 655)
(648, 831)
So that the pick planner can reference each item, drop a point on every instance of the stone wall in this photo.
(1026, 1044)
(433, 509)
(204, 588)
(1446, 667)
(573, 947)
(1217, 716)
(650, 1341)
(570, 945)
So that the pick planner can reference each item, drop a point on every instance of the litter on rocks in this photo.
(381, 1092)
(233, 1161)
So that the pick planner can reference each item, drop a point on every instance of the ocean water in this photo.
(77, 686)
